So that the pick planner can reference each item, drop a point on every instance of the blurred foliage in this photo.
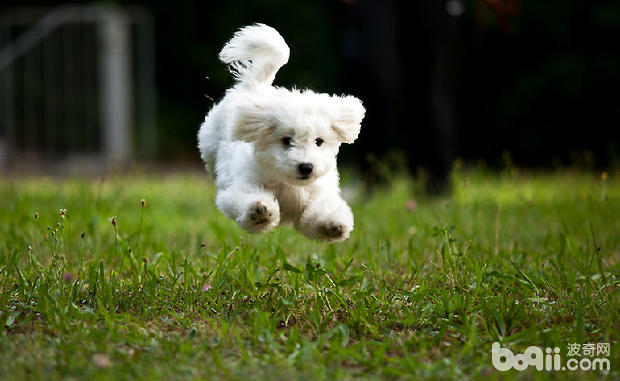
(539, 79)
(545, 90)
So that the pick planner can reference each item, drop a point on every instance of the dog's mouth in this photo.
(306, 177)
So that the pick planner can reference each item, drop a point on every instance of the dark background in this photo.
(539, 80)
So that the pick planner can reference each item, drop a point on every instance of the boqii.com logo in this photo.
(582, 357)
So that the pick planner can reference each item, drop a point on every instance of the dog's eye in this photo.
(319, 141)
(287, 141)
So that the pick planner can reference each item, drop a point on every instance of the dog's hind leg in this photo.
(254, 209)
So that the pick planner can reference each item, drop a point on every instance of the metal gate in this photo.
(77, 85)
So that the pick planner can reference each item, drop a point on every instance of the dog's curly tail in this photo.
(254, 54)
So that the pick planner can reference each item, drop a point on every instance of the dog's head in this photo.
(296, 135)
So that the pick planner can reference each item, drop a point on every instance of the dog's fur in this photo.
(254, 140)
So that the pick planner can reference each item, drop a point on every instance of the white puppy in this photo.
(272, 150)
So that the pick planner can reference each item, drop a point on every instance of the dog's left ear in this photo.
(253, 121)
(347, 114)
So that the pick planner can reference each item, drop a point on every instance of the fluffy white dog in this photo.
(272, 150)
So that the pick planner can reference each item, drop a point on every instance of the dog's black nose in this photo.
(305, 169)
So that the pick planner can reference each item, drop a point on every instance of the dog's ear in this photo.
(253, 121)
(346, 115)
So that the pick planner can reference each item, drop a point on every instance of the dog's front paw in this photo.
(259, 213)
(329, 220)
(260, 217)
(334, 231)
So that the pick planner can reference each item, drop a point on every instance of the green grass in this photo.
(175, 290)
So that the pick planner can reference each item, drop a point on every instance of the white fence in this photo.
(77, 85)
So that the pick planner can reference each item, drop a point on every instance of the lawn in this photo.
(168, 288)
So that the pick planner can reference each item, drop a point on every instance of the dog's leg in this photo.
(327, 218)
(254, 209)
